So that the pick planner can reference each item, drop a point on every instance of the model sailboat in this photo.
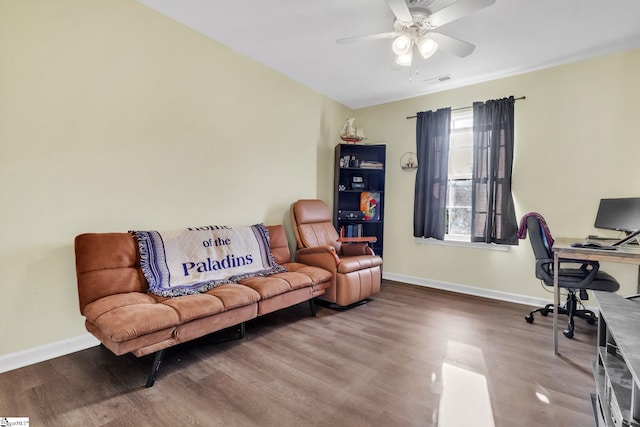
(351, 132)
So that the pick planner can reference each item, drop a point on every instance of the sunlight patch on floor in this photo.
(465, 399)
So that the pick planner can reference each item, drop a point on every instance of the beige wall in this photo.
(577, 140)
(113, 117)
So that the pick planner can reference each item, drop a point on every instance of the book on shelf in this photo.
(369, 164)
(351, 230)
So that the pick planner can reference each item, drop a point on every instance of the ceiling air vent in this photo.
(439, 79)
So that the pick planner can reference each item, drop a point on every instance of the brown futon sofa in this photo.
(126, 318)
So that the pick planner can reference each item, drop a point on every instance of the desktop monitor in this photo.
(620, 214)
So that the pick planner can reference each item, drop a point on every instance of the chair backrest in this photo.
(537, 238)
(313, 225)
(536, 226)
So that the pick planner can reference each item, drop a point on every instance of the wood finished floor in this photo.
(379, 364)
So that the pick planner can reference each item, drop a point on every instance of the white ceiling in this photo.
(298, 39)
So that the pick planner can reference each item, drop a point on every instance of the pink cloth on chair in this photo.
(522, 229)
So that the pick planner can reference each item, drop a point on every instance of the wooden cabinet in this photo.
(358, 205)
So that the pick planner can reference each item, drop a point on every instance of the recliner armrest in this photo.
(316, 250)
(320, 256)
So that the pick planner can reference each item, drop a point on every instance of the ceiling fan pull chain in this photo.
(411, 70)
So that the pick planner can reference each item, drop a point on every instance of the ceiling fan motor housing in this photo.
(420, 24)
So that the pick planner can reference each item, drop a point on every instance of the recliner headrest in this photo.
(311, 211)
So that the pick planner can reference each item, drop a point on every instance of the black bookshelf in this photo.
(359, 185)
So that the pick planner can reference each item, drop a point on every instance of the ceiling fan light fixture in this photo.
(405, 60)
(427, 46)
(402, 44)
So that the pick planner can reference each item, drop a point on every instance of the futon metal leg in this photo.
(312, 307)
(155, 367)
(242, 329)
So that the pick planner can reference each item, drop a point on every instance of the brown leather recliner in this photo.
(356, 269)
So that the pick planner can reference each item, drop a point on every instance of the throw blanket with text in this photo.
(197, 259)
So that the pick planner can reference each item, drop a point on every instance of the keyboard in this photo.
(593, 245)
(595, 237)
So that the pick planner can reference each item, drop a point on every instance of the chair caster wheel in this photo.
(545, 313)
(591, 320)
(529, 318)
(567, 333)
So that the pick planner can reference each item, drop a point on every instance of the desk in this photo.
(562, 249)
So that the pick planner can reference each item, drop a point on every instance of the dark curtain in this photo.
(432, 141)
(493, 218)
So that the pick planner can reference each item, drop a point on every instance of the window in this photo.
(458, 207)
(463, 184)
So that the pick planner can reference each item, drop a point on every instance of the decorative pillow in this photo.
(186, 262)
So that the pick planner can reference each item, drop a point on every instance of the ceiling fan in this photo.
(414, 26)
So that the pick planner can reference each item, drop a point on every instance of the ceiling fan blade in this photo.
(457, 10)
(369, 37)
(449, 44)
(400, 10)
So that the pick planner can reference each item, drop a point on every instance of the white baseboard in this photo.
(34, 355)
(469, 290)
(30, 356)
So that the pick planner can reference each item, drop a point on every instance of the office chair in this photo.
(575, 279)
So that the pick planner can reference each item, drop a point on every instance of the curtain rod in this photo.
(464, 108)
